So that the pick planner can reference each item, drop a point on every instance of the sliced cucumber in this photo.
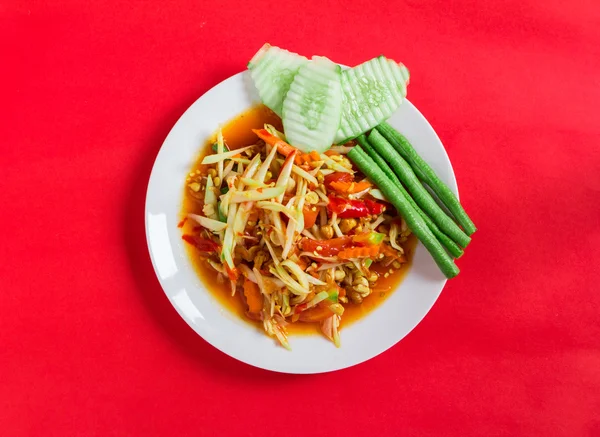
(273, 69)
(312, 108)
(371, 92)
(258, 56)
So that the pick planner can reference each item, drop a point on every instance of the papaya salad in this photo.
(307, 218)
(297, 234)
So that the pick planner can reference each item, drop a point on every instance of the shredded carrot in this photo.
(305, 158)
(331, 153)
(359, 252)
(302, 158)
(350, 187)
(282, 147)
(253, 297)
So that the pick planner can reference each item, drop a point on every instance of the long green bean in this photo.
(450, 245)
(410, 215)
(416, 189)
(427, 175)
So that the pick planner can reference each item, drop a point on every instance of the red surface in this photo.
(89, 345)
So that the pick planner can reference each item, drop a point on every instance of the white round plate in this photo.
(362, 340)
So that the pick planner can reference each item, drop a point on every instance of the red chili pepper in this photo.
(202, 244)
(345, 208)
(374, 208)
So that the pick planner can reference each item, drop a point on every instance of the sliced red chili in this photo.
(374, 208)
(346, 208)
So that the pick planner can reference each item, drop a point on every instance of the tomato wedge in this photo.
(350, 187)
(310, 215)
(337, 176)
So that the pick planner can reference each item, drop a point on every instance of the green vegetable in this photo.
(313, 106)
(450, 245)
(419, 193)
(375, 238)
(215, 147)
(333, 295)
(427, 175)
(273, 69)
(224, 189)
(368, 262)
(362, 140)
(412, 218)
(372, 91)
(222, 217)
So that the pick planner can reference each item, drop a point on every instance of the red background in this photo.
(89, 345)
